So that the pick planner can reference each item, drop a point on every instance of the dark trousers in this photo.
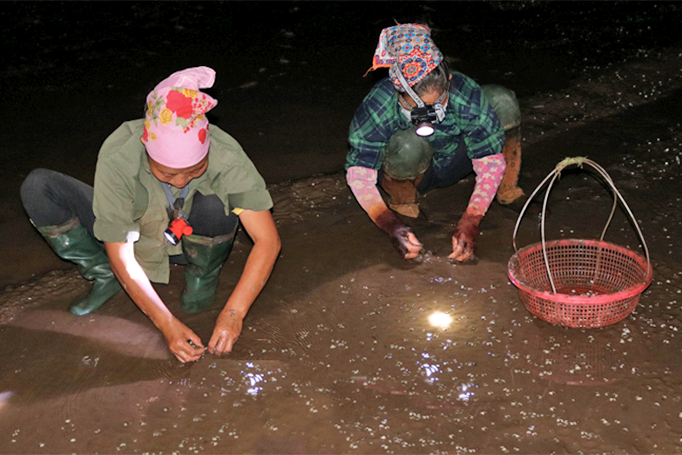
(451, 170)
(52, 199)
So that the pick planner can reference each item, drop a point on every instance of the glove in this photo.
(401, 235)
(464, 238)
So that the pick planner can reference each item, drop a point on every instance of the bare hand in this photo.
(228, 327)
(462, 248)
(406, 243)
(183, 342)
(464, 238)
(401, 235)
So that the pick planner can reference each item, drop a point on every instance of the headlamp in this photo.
(424, 116)
(176, 229)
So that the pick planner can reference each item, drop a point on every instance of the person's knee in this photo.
(407, 155)
(34, 184)
(505, 104)
(208, 216)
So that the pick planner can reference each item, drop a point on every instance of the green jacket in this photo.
(130, 204)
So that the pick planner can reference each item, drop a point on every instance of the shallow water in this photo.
(353, 365)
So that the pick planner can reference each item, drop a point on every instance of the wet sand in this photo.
(338, 354)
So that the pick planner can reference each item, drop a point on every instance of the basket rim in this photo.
(627, 293)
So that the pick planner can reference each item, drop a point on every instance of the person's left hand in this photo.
(228, 327)
(464, 238)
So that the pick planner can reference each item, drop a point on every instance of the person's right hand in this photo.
(178, 336)
(401, 235)
(136, 283)
(406, 242)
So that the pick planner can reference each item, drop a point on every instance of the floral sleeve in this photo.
(489, 172)
(363, 183)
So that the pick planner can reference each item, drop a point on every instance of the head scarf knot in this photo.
(175, 127)
(407, 48)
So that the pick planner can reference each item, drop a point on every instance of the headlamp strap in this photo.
(406, 86)
(437, 106)
(175, 204)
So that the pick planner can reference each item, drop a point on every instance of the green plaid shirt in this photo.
(469, 118)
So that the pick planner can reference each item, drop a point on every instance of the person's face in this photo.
(179, 178)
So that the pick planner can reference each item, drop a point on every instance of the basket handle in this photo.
(556, 173)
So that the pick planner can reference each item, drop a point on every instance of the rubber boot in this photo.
(71, 241)
(406, 158)
(506, 106)
(205, 257)
(403, 195)
(508, 191)
(407, 155)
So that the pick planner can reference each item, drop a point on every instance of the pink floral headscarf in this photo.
(175, 127)
(410, 47)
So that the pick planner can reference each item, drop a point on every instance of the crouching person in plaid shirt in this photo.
(424, 127)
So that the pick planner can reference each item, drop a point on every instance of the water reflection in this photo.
(225, 375)
(430, 372)
(466, 391)
(4, 398)
(254, 379)
(440, 320)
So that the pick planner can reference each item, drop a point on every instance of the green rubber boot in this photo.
(71, 241)
(505, 105)
(205, 257)
(407, 156)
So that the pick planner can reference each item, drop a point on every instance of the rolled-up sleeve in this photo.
(243, 187)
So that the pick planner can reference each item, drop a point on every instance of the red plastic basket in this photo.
(597, 283)
(579, 283)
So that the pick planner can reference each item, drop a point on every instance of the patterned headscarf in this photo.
(175, 127)
(410, 47)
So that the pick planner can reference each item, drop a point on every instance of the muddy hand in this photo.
(228, 327)
(401, 235)
(406, 242)
(183, 342)
(464, 238)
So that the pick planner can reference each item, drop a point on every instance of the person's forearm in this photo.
(363, 184)
(489, 172)
(256, 272)
(136, 283)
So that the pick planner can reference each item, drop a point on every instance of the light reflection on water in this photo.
(253, 379)
(4, 398)
(466, 391)
(430, 372)
(440, 320)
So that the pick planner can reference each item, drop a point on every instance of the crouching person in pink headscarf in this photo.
(168, 189)
(425, 127)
